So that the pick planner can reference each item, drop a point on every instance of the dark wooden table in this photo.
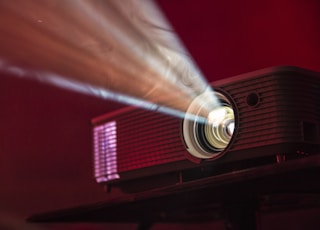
(235, 196)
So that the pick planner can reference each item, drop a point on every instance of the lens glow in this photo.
(210, 130)
(216, 129)
(230, 128)
(216, 116)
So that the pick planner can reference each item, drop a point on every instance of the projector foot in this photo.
(280, 158)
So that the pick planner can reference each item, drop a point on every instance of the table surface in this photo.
(281, 185)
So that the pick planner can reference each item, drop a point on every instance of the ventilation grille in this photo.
(105, 152)
(148, 138)
(285, 103)
(145, 138)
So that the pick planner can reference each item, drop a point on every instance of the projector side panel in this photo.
(143, 140)
(280, 110)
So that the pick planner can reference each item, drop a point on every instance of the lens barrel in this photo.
(209, 125)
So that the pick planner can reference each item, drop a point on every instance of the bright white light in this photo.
(230, 128)
(217, 116)
(76, 86)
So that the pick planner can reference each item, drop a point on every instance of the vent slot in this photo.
(105, 152)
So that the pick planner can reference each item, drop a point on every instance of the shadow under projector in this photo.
(268, 116)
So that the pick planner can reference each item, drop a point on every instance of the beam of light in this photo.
(79, 87)
(119, 50)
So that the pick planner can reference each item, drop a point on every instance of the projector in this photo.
(264, 117)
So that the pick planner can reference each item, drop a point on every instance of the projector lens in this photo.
(209, 125)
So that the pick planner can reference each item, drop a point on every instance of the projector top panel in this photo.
(278, 70)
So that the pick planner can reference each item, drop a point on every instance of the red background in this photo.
(45, 132)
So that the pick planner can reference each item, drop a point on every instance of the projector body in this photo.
(277, 117)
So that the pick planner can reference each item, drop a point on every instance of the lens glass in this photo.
(217, 130)
(208, 128)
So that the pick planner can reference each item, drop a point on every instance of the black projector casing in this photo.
(277, 114)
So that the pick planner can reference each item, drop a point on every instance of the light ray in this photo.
(119, 50)
(75, 86)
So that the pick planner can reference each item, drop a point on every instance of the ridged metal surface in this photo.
(145, 138)
(286, 102)
(148, 138)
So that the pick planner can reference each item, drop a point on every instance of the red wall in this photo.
(45, 130)
(233, 37)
